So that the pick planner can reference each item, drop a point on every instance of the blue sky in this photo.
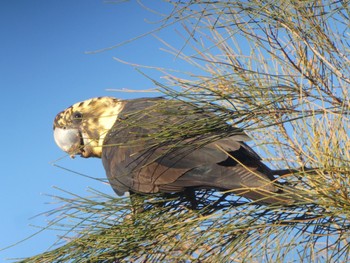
(44, 68)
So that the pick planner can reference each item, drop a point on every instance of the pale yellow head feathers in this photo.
(81, 128)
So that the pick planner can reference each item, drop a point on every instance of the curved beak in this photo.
(69, 140)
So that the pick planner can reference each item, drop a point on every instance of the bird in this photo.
(163, 145)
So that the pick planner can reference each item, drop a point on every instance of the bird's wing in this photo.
(136, 156)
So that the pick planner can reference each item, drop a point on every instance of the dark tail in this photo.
(252, 183)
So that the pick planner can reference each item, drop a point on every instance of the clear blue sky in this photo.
(43, 69)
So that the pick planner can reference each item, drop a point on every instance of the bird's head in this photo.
(81, 128)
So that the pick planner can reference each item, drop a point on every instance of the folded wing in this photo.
(138, 156)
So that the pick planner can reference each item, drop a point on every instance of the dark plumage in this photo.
(132, 138)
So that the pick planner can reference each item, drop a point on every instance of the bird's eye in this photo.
(77, 116)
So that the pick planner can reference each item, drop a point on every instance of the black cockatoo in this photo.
(152, 145)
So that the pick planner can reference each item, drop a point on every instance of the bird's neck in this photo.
(97, 130)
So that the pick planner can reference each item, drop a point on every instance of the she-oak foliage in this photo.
(281, 71)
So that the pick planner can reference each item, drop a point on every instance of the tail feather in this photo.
(243, 181)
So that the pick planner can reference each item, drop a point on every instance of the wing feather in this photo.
(136, 156)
